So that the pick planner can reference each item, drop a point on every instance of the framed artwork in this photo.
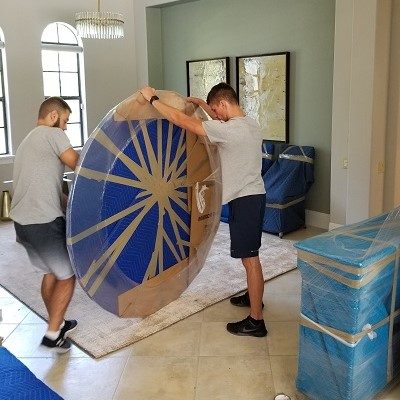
(263, 90)
(202, 75)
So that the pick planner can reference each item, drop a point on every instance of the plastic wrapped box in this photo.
(350, 325)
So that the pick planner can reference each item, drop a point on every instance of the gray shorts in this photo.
(46, 247)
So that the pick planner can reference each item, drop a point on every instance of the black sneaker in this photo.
(69, 326)
(242, 301)
(59, 345)
(247, 327)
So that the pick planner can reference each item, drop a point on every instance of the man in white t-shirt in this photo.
(37, 211)
(239, 140)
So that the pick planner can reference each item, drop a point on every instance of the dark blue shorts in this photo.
(46, 247)
(246, 215)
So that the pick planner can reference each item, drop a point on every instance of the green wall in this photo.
(219, 28)
(154, 46)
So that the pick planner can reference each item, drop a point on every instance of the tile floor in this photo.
(195, 359)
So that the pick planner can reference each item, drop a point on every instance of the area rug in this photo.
(101, 332)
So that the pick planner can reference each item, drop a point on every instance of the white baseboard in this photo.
(317, 219)
(332, 225)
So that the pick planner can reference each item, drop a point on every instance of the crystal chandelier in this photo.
(99, 24)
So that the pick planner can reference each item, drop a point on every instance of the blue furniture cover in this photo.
(143, 208)
(287, 182)
(18, 383)
(350, 306)
(225, 213)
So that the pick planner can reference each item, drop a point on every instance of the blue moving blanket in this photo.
(18, 383)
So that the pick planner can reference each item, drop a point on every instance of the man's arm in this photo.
(203, 105)
(70, 158)
(173, 115)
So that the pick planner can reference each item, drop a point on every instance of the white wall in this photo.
(380, 106)
(392, 176)
(110, 65)
(360, 107)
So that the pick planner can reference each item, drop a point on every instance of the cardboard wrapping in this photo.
(144, 207)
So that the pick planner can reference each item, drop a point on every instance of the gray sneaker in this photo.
(247, 327)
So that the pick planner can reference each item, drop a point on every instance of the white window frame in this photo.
(78, 49)
(5, 99)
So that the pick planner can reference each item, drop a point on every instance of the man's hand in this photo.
(148, 92)
(64, 202)
(197, 101)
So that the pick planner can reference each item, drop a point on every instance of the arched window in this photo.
(5, 145)
(62, 62)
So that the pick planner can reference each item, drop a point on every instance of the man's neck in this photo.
(42, 122)
(236, 111)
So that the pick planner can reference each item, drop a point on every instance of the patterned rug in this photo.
(100, 332)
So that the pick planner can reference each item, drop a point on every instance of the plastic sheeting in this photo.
(350, 310)
(144, 207)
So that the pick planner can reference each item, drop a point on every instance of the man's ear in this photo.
(53, 115)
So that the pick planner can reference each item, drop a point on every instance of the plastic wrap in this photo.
(144, 207)
(350, 308)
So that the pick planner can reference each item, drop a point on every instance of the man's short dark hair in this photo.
(222, 91)
(51, 104)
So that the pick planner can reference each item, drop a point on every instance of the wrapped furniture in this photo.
(18, 382)
(287, 182)
(350, 305)
(144, 207)
(267, 157)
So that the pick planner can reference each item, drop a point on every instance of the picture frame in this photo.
(202, 75)
(263, 90)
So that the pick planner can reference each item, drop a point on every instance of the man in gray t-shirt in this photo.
(38, 215)
(238, 139)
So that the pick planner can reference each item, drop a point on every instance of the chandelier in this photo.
(99, 24)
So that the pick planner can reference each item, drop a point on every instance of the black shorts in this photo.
(46, 247)
(246, 215)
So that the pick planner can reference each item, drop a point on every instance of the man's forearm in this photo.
(174, 115)
(203, 105)
(170, 113)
